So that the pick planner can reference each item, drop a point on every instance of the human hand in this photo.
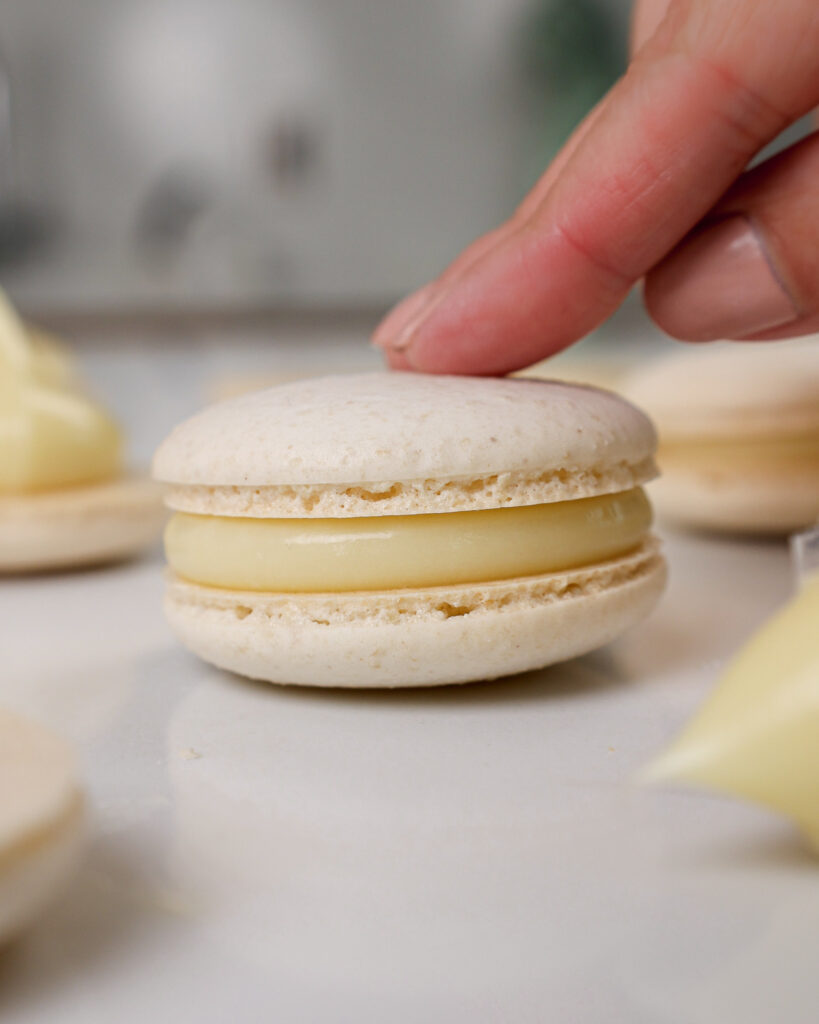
(653, 184)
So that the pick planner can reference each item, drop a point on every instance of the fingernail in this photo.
(398, 361)
(720, 284)
(396, 329)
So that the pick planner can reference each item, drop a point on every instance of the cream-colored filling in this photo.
(757, 736)
(742, 455)
(50, 435)
(390, 552)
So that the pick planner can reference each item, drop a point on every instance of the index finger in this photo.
(700, 99)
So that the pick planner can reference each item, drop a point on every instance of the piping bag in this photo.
(757, 735)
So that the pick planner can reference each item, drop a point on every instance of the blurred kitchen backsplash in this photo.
(227, 153)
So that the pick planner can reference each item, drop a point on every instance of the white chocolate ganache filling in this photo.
(756, 736)
(393, 552)
(51, 436)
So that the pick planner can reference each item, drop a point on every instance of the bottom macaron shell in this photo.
(80, 526)
(32, 877)
(406, 638)
(771, 504)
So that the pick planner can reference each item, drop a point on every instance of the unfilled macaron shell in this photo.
(42, 821)
(79, 526)
(747, 397)
(772, 503)
(732, 389)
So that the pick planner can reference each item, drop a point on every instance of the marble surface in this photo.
(479, 853)
(476, 854)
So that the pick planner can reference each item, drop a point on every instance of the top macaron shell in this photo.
(382, 428)
(731, 389)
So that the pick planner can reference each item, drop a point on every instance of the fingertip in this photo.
(395, 330)
(398, 361)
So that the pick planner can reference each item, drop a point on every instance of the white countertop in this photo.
(468, 854)
(474, 853)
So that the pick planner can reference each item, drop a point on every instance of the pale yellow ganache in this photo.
(389, 552)
(51, 435)
(757, 736)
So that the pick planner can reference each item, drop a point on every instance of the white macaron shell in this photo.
(732, 389)
(37, 779)
(427, 637)
(385, 427)
(79, 526)
(42, 823)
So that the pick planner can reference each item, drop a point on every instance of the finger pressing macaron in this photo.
(396, 529)
(704, 94)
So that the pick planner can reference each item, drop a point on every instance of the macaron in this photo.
(390, 530)
(66, 498)
(42, 820)
(739, 434)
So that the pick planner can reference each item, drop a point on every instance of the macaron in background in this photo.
(66, 498)
(597, 372)
(390, 530)
(739, 434)
(42, 820)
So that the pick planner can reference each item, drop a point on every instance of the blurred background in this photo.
(263, 178)
(200, 154)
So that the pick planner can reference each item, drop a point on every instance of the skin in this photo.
(662, 158)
